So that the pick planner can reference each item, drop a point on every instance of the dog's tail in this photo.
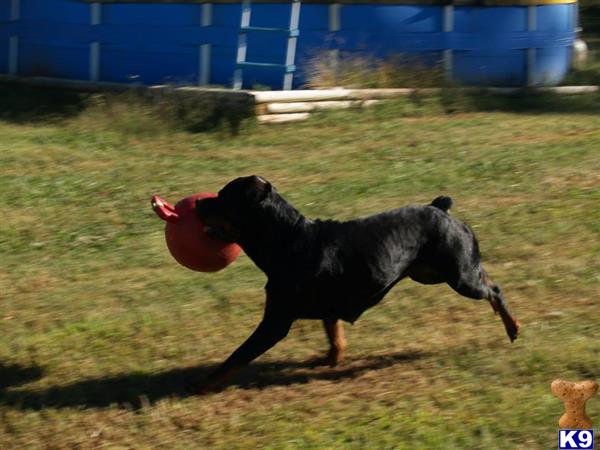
(444, 203)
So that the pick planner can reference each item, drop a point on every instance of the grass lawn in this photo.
(99, 326)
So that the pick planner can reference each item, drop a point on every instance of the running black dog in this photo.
(334, 271)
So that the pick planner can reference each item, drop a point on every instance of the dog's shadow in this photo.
(16, 375)
(136, 389)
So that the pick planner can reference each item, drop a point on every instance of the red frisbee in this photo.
(186, 239)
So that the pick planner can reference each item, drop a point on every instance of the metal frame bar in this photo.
(448, 27)
(15, 10)
(13, 55)
(96, 13)
(205, 50)
(335, 17)
(95, 61)
(531, 52)
(204, 59)
(290, 53)
(95, 19)
(242, 44)
(13, 41)
(206, 19)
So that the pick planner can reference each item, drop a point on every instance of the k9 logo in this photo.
(575, 439)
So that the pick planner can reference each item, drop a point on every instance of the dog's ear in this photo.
(258, 189)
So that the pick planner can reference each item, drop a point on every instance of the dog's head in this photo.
(236, 205)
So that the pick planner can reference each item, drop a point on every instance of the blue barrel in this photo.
(479, 42)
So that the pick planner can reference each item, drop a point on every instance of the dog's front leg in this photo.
(268, 333)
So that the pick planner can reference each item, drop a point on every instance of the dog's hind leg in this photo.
(337, 342)
(496, 299)
(476, 284)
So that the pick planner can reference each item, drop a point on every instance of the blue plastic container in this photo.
(479, 42)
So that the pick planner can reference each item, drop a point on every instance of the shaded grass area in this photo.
(521, 102)
(132, 111)
(100, 329)
(15, 374)
(20, 103)
(137, 389)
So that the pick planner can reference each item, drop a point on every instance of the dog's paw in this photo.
(513, 330)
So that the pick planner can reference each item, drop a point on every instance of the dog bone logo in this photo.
(574, 396)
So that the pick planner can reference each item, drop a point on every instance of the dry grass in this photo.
(334, 69)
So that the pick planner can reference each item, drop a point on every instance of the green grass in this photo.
(99, 326)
